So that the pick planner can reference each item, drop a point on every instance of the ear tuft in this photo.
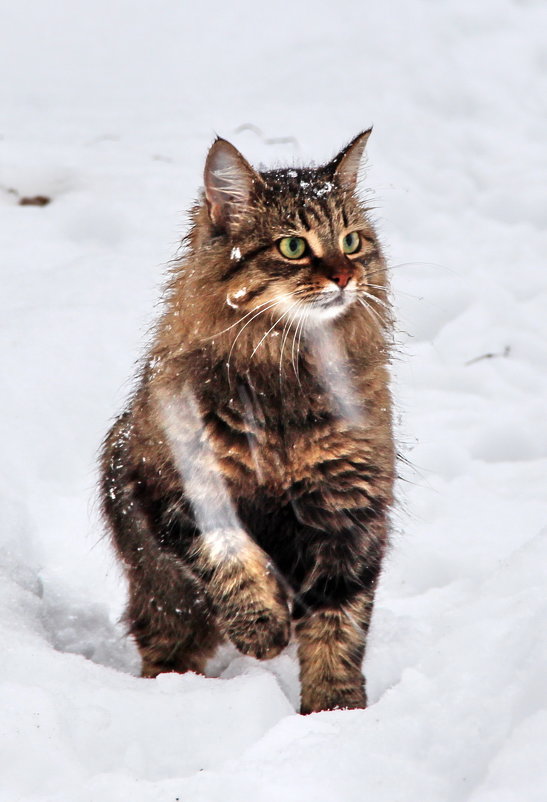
(229, 180)
(348, 162)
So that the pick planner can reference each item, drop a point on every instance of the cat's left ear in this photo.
(229, 180)
(346, 165)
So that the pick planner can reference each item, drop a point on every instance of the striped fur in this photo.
(248, 484)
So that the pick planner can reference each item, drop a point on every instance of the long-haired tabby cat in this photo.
(248, 485)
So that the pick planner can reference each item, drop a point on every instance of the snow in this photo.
(109, 110)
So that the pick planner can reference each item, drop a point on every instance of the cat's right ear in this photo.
(229, 180)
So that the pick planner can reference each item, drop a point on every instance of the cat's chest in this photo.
(279, 443)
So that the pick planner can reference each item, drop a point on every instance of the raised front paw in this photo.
(250, 602)
(260, 632)
(252, 606)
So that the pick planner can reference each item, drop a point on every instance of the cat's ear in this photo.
(229, 180)
(346, 165)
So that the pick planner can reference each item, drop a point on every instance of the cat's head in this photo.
(292, 242)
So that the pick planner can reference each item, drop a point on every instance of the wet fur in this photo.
(233, 422)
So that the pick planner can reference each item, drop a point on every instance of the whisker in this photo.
(273, 303)
(376, 286)
(286, 332)
(298, 332)
(302, 326)
(388, 291)
(377, 319)
(240, 332)
(295, 331)
(241, 319)
(385, 269)
(273, 327)
(375, 298)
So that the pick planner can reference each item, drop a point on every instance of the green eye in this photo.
(351, 242)
(292, 247)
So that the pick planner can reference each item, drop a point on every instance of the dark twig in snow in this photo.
(504, 354)
(272, 140)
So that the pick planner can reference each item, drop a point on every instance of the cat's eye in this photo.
(292, 247)
(351, 242)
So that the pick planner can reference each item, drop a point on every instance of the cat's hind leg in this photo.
(169, 612)
(170, 617)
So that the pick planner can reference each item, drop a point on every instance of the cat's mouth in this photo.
(319, 306)
(337, 299)
(331, 303)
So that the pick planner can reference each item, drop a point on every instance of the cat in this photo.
(248, 485)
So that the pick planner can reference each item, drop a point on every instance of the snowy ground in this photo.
(109, 109)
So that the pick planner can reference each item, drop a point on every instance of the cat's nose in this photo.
(341, 277)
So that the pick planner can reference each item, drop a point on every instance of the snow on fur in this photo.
(110, 115)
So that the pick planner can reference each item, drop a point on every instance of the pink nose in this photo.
(341, 277)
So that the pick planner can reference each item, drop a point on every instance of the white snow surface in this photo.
(109, 109)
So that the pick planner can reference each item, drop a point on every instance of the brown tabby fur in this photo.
(249, 482)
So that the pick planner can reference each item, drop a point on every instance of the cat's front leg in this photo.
(334, 608)
(344, 534)
(250, 602)
(331, 647)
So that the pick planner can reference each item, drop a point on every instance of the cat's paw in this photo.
(325, 697)
(253, 610)
(250, 602)
(261, 633)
